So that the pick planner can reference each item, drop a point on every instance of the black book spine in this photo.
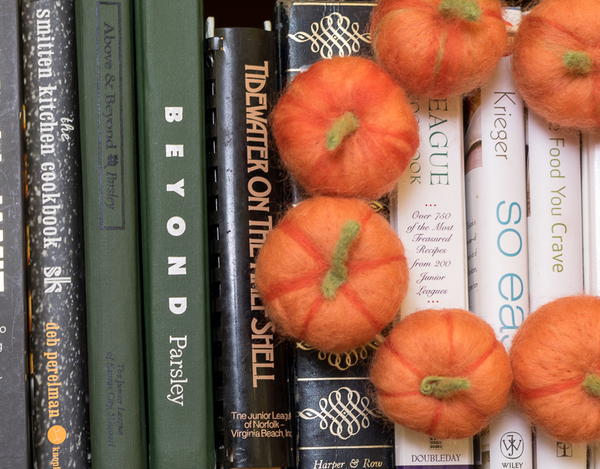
(312, 30)
(246, 199)
(14, 430)
(54, 218)
(336, 420)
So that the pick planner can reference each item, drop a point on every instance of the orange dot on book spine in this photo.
(557, 62)
(439, 48)
(57, 435)
(332, 273)
(443, 373)
(345, 128)
(555, 358)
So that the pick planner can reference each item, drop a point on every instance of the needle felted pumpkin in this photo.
(345, 128)
(442, 372)
(555, 358)
(439, 48)
(557, 62)
(332, 273)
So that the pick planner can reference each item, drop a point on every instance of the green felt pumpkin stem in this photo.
(337, 274)
(578, 62)
(442, 387)
(464, 9)
(591, 384)
(341, 128)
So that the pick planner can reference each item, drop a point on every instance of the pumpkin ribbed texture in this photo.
(345, 128)
(556, 363)
(556, 62)
(442, 372)
(452, 46)
(332, 273)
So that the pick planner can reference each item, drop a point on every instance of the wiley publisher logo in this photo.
(564, 450)
(511, 445)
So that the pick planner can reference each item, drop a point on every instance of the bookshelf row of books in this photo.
(138, 183)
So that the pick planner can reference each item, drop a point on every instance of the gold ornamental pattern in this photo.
(344, 413)
(334, 35)
(346, 360)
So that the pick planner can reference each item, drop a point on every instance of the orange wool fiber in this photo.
(439, 48)
(557, 62)
(555, 358)
(443, 373)
(332, 273)
(345, 128)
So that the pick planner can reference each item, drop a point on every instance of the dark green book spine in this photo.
(174, 233)
(55, 233)
(109, 160)
(14, 429)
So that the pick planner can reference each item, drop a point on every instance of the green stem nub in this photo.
(442, 387)
(337, 274)
(578, 62)
(591, 384)
(463, 9)
(341, 128)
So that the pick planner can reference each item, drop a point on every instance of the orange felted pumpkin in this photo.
(332, 273)
(442, 372)
(557, 62)
(556, 363)
(345, 128)
(439, 48)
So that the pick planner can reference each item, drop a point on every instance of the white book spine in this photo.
(497, 242)
(428, 213)
(554, 228)
(590, 171)
(591, 212)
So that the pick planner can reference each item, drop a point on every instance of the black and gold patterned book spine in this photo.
(245, 201)
(54, 218)
(336, 421)
(14, 428)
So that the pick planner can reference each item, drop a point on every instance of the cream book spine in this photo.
(554, 226)
(428, 213)
(590, 172)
